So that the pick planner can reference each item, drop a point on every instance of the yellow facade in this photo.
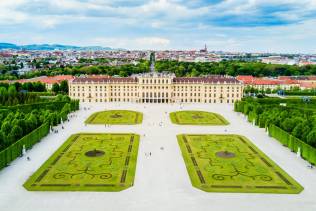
(157, 88)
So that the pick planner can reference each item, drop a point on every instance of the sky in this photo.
(280, 26)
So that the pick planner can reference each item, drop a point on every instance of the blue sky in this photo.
(287, 26)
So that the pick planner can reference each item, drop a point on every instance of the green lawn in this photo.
(231, 163)
(89, 162)
(197, 118)
(116, 117)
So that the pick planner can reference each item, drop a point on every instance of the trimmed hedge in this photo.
(15, 150)
(307, 152)
(74, 104)
(252, 111)
(29, 107)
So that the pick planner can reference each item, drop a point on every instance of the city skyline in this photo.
(244, 26)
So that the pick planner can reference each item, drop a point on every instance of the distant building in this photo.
(278, 60)
(47, 80)
(268, 83)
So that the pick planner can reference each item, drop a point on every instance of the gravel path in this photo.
(161, 181)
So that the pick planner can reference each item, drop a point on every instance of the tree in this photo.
(55, 88)
(297, 131)
(194, 72)
(311, 138)
(6, 127)
(32, 121)
(16, 132)
(3, 91)
(63, 86)
(123, 73)
(12, 90)
(2, 140)
(65, 98)
(66, 108)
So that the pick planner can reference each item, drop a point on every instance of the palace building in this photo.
(156, 88)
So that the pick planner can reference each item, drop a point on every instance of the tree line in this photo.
(298, 118)
(233, 68)
(9, 96)
(120, 70)
(16, 122)
(61, 88)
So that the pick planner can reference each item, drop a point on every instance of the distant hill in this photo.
(51, 47)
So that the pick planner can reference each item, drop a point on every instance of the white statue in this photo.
(298, 154)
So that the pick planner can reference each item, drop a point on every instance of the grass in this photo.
(197, 118)
(71, 169)
(116, 117)
(231, 163)
(298, 97)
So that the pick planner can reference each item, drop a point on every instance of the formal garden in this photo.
(231, 163)
(197, 118)
(291, 121)
(89, 162)
(116, 117)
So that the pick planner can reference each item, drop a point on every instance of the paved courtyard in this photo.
(161, 181)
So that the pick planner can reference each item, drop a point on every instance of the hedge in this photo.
(15, 150)
(307, 152)
(29, 107)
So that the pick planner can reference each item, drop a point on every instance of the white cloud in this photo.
(152, 42)
(163, 24)
(8, 14)
(142, 43)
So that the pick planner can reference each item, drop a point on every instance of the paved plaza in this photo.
(161, 180)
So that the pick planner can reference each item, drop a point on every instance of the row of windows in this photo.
(105, 100)
(183, 101)
(155, 81)
(101, 88)
(134, 88)
(151, 95)
(155, 87)
(198, 95)
(154, 95)
(205, 101)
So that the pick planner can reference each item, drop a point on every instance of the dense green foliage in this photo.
(18, 121)
(17, 93)
(232, 68)
(307, 92)
(61, 88)
(15, 150)
(296, 117)
(10, 96)
(121, 70)
(30, 86)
